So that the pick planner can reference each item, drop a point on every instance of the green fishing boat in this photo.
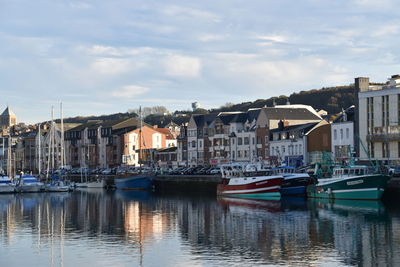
(350, 182)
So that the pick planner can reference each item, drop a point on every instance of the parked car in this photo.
(396, 171)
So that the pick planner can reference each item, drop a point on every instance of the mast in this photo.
(2, 158)
(52, 139)
(40, 151)
(140, 138)
(62, 138)
(9, 162)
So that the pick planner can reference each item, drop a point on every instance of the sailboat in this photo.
(6, 185)
(139, 180)
(56, 184)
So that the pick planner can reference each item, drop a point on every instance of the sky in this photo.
(102, 57)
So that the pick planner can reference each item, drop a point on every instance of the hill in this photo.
(331, 99)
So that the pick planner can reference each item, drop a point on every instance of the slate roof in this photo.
(305, 127)
(290, 114)
(8, 112)
(204, 119)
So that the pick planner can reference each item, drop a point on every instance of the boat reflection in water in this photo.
(102, 228)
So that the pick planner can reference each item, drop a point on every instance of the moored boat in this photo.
(350, 182)
(294, 183)
(249, 181)
(6, 185)
(57, 186)
(99, 183)
(134, 181)
(29, 184)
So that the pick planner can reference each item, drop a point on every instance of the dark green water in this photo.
(100, 228)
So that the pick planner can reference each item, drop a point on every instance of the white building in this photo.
(379, 119)
(288, 143)
(342, 132)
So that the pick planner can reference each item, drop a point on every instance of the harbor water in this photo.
(95, 227)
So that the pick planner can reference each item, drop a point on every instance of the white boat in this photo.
(81, 185)
(29, 184)
(99, 183)
(58, 186)
(6, 185)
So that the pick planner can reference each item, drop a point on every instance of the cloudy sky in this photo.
(102, 57)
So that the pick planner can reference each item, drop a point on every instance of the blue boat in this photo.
(294, 183)
(140, 181)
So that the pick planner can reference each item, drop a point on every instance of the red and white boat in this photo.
(249, 181)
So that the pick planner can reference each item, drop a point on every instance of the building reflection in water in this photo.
(133, 227)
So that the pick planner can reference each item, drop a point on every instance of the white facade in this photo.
(379, 121)
(342, 139)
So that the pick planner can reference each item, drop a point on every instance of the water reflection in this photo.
(143, 229)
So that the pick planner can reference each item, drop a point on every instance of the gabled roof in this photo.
(166, 132)
(306, 127)
(291, 112)
(8, 112)
(204, 119)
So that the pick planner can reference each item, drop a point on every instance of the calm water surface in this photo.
(100, 228)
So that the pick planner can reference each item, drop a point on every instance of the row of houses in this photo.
(285, 134)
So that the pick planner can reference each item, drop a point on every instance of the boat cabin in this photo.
(350, 171)
(244, 170)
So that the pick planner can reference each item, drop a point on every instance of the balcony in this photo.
(385, 134)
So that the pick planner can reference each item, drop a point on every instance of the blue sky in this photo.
(102, 57)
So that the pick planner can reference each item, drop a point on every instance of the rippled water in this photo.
(100, 228)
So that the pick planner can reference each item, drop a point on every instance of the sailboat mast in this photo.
(9, 167)
(140, 137)
(2, 158)
(40, 151)
(52, 138)
(62, 137)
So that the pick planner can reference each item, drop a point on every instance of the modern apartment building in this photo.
(379, 119)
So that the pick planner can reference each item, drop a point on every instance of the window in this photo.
(239, 141)
(200, 144)
(246, 153)
(398, 149)
(239, 154)
(341, 134)
(193, 143)
(233, 141)
(246, 140)
(233, 154)
(347, 133)
(335, 134)
(253, 140)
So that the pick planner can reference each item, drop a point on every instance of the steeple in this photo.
(7, 118)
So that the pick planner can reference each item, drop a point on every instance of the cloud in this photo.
(273, 38)
(190, 13)
(129, 91)
(211, 37)
(182, 66)
(111, 66)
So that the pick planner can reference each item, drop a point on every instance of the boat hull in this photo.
(134, 182)
(29, 188)
(96, 184)
(368, 187)
(7, 189)
(261, 188)
(295, 186)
